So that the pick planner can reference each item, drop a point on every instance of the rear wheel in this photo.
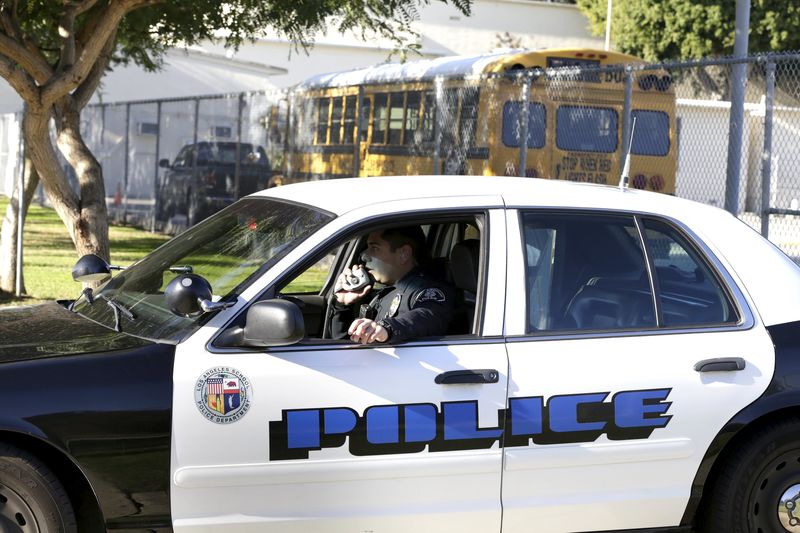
(758, 489)
(31, 497)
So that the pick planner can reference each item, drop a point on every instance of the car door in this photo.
(339, 437)
(610, 408)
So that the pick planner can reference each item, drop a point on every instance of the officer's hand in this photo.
(348, 297)
(367, 331)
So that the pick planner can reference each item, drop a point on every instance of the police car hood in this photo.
(49, 330)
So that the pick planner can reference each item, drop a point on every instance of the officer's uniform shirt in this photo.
(416, 306)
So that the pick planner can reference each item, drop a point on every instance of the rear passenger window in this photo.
(585, 272)
(537, 124)
(689, 292)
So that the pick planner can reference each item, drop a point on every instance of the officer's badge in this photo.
(395, 305)
(222, 394)
(431, 295)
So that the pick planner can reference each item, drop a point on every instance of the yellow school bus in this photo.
(467, 115)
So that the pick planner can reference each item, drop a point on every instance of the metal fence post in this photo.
(626, 117)
(155, 175)
(357, 141)
(437, 129)
(736, 128)
(291, 134)
(523, 130)
(766, 153)
(21, 203)
(237, 167)
(195, 151)
(127, 157)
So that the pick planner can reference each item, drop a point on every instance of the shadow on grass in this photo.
(10, 300)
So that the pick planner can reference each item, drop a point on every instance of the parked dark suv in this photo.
(202, 179)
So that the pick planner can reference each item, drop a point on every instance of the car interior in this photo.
(454, 255)
(590, 273)
(455, 248)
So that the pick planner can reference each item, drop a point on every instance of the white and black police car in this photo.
(618, 361)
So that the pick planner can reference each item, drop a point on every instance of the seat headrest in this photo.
(464, 264)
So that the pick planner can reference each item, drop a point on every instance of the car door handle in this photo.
(452, 377)
(720, 364)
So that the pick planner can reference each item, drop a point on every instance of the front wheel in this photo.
(758, 489)
(31, 498)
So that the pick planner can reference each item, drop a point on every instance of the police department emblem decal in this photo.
(222, 394)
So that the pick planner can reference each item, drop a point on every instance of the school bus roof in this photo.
(538, 58)
(459, 66)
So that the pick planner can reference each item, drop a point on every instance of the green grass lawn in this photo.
(49, 255)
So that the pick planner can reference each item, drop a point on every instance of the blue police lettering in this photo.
(461, 422)
(641, 408)
(412, 428)
(564, 412)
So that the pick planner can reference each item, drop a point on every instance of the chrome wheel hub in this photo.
(15, 514)
(789, 509)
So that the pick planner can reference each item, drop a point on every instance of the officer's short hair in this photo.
(410, 235)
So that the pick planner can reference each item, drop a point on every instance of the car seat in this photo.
(464, 267)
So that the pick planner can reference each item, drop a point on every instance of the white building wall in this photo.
(530, 24)
(703, 149)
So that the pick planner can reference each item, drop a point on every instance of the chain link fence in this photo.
(169, 163)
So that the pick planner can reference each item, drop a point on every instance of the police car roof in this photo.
(342, 195)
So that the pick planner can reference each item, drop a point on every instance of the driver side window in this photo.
(452, 257)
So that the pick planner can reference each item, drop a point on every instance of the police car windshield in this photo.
(228, 249)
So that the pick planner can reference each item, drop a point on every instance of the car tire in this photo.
(31, 497)
(762, 470)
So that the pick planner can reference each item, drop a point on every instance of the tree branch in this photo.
(20, 80)
(10, 21)
(86, 89)
(108, 21)
(12, 47)
(66, 30)
(82, 7)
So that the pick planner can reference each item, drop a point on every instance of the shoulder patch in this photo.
(430, 295)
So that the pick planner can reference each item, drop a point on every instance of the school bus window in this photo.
(468, 115)
(363, 119)
(427, 118)
(395, 118)
(323, 115)
(380, 118)
(413, 104)
(512, 125)
(651, 136)
(586, 129)
(336, 120)
(349, 119)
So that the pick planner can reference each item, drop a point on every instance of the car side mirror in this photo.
(92, 269)
(190, 295)
(273, 323)
(164, 163)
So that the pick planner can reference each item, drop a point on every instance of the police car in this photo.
(621, 360)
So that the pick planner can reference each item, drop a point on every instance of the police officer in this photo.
(412, 304)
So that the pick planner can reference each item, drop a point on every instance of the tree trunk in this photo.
(94, 213)
(8, 234)
(85, 216)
